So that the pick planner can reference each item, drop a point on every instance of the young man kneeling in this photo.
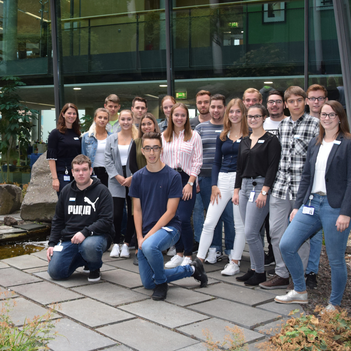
(156, 190)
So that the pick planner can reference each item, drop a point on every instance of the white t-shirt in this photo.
(271, 125)
(123, 152)
(99, 160)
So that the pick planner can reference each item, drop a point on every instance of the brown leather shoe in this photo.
(276, 282)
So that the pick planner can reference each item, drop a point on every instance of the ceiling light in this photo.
(163, 85)
(267, 82)
(77, 88)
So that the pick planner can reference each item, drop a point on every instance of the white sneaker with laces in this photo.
(231, 269)
(212, 255)
(172, 251)
(186, 261)
(292, 297)
(175, 261)
(115, 252)
(125, 251)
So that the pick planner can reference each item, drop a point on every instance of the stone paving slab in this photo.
(40, 254)
(271, 328)
(242, 315)
(149, 336)
(4, 230)
(6, 293)
(191, 283)
(46, 293)
(179, 296)
(237, 293)
(109, 293)
(126, 264)
(124, 278)
(3, 265)
(25, 262)
(196, 347)
(217, 330)
(35, 270)
(119, 347)
(76, 279)
(93, 313)
(12, 276)
(282, 308)
(74, 337)
(163, 313)
(26, 309)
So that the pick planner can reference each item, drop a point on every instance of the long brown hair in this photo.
(168, 133)
(61, 124)
(153, 119)
(343, 125)
(227, 124)
(167, 97)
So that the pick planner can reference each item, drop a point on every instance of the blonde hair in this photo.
(92, 129)
(134, 128)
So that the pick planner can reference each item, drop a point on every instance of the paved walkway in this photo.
(117, 314)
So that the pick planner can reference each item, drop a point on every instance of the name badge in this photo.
(66, 178)
(308, 210)
(260, 141)
(218, 131)
(238, 141)
(337, 142)
(76, 138)
(297, 136)
(58, 248)
(252, 196)
(167, 229)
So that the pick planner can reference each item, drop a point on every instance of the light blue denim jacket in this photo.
(89, 146)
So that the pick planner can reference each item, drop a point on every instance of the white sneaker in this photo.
(186, 261)
(175, 261)
(125, 251)
(212, 255)
(115, 251)
(172, 251)
(231, 269)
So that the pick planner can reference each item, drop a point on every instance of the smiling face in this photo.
(125, 120)
(147, 125)
(319, 99)
(275, 106)
(217, 110)
(257, 122)
(251, 99)
(167, 107)
(152, 156)
(179, 118)
(330, 124)
(235, 115)
(101, 119)
(70, 117)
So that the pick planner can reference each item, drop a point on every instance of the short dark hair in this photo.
(294, 90)
(151, 135)
(276, 92)
(260, 107)
(80, 159)
(202, 92)
(138, 98)
(218, 97)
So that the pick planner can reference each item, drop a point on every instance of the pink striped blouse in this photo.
(184, 154)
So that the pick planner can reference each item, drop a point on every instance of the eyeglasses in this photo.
(278, 102)
(254, 117)
(330, 115)
(319, 98)
(155, 148)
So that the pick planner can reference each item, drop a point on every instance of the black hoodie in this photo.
(89, 211)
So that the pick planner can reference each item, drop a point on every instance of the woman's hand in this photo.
(342, 223)
(215, 194)
(235, 199)
(127, 181)
(261, 200)
(293, 213)
(56, 185)
(120, 179)
(187, 192)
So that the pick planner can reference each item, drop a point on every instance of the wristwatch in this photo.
(264, 193)
(191, 183)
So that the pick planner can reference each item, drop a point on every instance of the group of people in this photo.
(253, 170)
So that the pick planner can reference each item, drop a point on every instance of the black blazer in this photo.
(337, 175)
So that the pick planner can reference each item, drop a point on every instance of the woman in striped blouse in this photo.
(182, 150)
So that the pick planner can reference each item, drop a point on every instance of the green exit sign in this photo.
(234, 24)
(181, 95)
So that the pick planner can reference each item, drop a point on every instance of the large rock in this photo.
(40, 200)
(10, 198)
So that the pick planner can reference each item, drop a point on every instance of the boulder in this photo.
(40, 200)
(10, 221)
(10, 198)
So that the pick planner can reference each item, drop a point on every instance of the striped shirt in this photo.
(186, 155)
(208, 133)
(294, 138)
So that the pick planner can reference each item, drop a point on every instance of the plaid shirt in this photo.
(294, 138)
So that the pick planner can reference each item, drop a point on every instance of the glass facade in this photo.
(119, 47)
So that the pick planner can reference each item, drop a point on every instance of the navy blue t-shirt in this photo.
(154, 189)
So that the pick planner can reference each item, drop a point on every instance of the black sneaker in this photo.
(199, 274)
(246, 276)
(269, 260)
(195, 247)
(271, 272)
(311, 280)
(160, 292)
(94, 276)
(86, 269)
(135, 260)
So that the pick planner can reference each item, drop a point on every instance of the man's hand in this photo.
(342, 223)
(78, 238)
(49, 253)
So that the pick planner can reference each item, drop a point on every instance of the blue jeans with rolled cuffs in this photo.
(253, 218)
(88, 253)
(302, 227)
(150, 258)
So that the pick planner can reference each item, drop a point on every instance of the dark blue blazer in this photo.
(337, 175)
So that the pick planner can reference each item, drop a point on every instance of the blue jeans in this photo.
(151, 264)
(315, 252)
(303, 227)
(198, 217)
(88, 253)
(226, 217)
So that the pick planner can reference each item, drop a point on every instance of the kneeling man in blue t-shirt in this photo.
(156, 190)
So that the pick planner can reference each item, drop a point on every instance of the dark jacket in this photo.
(89, 211)
(337, 175)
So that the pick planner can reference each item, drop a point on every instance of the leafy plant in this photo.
(235, 341)
(331, 331)
(16, 119)
(34, 335)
